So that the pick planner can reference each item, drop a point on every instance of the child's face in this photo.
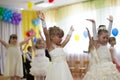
(103, 38)
(113, 42)
(41, 44)
(13, 40)
(57, 39)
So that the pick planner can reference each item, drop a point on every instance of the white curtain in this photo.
(6, 29)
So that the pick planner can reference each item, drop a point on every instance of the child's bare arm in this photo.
(68, 37)
(3, 43)
(93, 28)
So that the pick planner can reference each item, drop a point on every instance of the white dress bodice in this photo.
(102, 54)
(40, 53)
(58, 55)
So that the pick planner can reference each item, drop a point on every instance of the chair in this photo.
(72, 68)
(77, 67)
(84, 68)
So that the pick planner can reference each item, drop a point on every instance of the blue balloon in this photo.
(85, 34)
(115, 32)
(35, 40)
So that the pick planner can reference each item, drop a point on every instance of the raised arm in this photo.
(93, 28)
(41, 36)
(3, 43)
(68, 36)
(110, 19)
(46, 32)
(26, 40)
(90, 41)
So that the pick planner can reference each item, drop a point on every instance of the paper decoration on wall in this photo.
(77, 37)
(30, 5)
(85, 34)
(115, 32)
(10, 16)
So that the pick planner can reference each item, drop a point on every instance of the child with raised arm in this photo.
(40, 62)
(59, 69)
(101, 67)
(13, 65)
(110, 19)
(112, 42)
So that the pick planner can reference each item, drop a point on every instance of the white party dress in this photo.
(13, 65)
(101, 66)
(58, 70)
(40, 63)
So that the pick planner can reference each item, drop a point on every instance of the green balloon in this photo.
(1, 17)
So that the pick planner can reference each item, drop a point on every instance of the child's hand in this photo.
(91, 20)
(41, 15)
(110, 18)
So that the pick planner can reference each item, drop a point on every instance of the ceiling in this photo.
(18, 4)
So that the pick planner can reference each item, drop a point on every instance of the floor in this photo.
(4, 78)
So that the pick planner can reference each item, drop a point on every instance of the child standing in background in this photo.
(13, 65)
(59, 69)
(112, 42)
(23, 60)
(40, 62)
(27, 63)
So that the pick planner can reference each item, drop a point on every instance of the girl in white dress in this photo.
(112, 42)
(59, 69)
(101, 66)
(13, 65)
(40, 62)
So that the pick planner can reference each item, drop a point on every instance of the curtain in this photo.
(76, 15)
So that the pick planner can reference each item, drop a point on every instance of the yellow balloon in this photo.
(30, 5)
(77, 37)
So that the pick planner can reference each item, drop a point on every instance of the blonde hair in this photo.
(56, 31)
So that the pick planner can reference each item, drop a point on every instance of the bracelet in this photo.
(43, 24)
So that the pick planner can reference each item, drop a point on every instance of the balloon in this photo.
(1, 17)
(85, 34)
(36, 22)
(50, 1)
(77, 37)
(30, 5)
(28, 34)
(115, 32)
(34, 40)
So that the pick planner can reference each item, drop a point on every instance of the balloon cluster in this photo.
(36, 22)
(10, 16)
